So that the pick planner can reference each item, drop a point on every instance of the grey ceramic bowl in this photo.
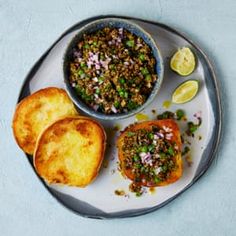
(113, 23)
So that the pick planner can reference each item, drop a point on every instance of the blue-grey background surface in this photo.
(27, 29)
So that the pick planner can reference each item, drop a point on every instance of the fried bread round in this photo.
(70, 151)
(37, 111)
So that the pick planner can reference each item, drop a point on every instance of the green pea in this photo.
(137, 165)
(126, 94)
(121, 93)
(78, 89)
(142, 57)
(171, 151)
(116, 104)
(156, 180)
(144, 71)
(130, 134)
(148, 77)
(86, 46)
(100, 79)
(151, 147)
(164, 168)
(80, 72)
(85, 96)
(97, 91)
(95, 44)
(131, 105)
(144, 149)
(83, 64)
(151, 136)
(122, 80)
(193, 128)
(136, 158)
(130, 43)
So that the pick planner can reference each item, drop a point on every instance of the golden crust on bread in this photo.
(37, 111)
(175, 174)
(70, 151)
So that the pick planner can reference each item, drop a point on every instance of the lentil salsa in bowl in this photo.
(112, 69)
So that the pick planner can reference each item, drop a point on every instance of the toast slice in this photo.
(37, 111)
(70, 151)
(150, 153)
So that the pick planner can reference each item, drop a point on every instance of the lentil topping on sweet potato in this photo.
(150, 154)
(112, 70)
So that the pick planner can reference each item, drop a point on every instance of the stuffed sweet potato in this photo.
(150, 153)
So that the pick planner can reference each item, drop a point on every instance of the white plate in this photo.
(98, 199)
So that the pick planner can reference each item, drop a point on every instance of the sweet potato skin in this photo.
(175, 175)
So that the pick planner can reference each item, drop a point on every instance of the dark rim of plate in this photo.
(203, 167)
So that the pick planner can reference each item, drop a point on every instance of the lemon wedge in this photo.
(185, 92)
(183, 61)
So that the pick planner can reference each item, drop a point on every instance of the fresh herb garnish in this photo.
(192, 128)
(186, 150)
(180, 114)
(166, 115)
